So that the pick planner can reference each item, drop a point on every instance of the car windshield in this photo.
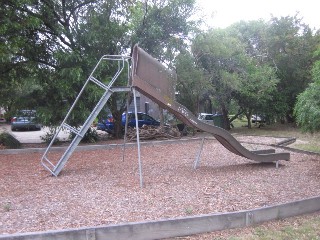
(206, 117)
(209, 117)
(26, 113)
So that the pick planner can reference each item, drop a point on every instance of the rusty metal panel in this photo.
(153, 73)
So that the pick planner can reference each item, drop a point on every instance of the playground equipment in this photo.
(155, 81)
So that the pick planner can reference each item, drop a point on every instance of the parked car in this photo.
(257, 119)
(206, 117)
(25, 119)
(143, 119)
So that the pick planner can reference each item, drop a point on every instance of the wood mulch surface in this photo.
(98, 187)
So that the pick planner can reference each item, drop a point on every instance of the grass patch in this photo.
(238, 123)
(277, 130)
(311, 147)
(310, 142)
(307, 229)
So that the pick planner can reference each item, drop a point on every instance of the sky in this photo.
(222, 13)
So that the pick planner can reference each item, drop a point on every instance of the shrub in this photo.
(47, 138)
(91, 136)
(9, 141)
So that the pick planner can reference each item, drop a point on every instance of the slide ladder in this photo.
(55, 165)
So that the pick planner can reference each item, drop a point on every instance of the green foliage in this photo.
(49, 48)
(192, 86)
(161, 27)
(49, 135)
(234, 75)
(290, 45)
(91, 136)
(307, 110)
(301, 229)
(286, 45)
(221, 58)
(49, 45)
(9, 141)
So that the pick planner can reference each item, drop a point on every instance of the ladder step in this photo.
(48, 161)
(79, 133)
(44, 164)
(96, 81)
(72, 129)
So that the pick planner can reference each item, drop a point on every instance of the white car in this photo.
(206, 117)
(257, 119)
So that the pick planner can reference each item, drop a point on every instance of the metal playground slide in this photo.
(155, 81)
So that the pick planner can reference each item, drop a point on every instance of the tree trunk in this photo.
(248, 115)
(226, 120)
(161, 116)
(118, 129)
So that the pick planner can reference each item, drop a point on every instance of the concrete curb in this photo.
(180, 226)
(296, 150)
(96, 147)
(286, 141)
(129, 144)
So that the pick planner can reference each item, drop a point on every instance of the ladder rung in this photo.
(72, 129)
(46, 166)
(45, 157)
(96, 81)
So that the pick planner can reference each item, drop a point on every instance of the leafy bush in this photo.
(47, 138)
(307, 111)
(9, 141)
(91, 136)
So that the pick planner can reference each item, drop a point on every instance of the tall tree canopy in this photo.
(233, 73)
(307, 108)
(192, 86)
(290, 45)
(55, 44)
(48, 49)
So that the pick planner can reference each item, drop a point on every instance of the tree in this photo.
(307, 110)
(254, 35)
(221, 56)
(290, 45)
(256, 89)
(162, 27)
(55, 44)
(16, 70)
(192, 86)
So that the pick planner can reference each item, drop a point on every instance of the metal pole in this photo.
(125, 128)
(199, 154)
(138, 138)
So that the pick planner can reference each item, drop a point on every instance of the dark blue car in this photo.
(143, 119)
